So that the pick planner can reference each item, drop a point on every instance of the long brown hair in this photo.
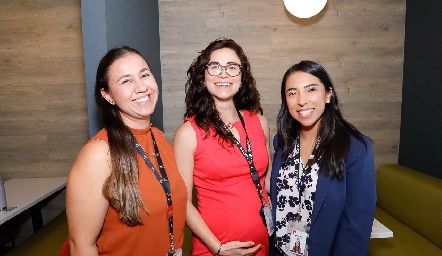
(200, 103)
(121, 187)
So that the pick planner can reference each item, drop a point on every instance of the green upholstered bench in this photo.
(45, 242)
(48, 241)
(410, 204)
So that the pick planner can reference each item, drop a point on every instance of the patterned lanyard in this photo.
(302, 173)
(249, 158)
(164, 181)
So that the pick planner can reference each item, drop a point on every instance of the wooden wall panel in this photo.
(43, 115)
(360, 43)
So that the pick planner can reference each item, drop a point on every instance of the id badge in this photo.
(178, 252)
(266, 210)
(298, 239)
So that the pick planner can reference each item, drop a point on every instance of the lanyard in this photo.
(301, 173)
(249, 158)
(164, 181)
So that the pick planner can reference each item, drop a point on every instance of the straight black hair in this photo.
(334, 131)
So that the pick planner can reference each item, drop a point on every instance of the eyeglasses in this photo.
(232, 69)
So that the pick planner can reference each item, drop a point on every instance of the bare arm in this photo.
(265, 126)
(184, 144)
(85, 204)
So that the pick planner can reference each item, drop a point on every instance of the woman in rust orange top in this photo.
(125, 195)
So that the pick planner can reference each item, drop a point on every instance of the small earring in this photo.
(111, 102)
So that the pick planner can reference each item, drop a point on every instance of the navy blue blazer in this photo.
(343, 210)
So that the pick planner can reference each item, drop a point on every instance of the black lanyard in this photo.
(164, 181)
(307, 168)
(249, 157)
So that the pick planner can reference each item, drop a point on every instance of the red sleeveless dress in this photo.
(227, 197)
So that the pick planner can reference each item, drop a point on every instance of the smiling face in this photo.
(133, 89)
(306, 98)
(223, 87)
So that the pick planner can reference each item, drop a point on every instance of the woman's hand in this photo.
(239, 248)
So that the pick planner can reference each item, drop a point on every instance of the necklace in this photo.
(230, 125)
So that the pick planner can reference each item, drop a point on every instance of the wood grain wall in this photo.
(43, 100)
(42, 87)
(360, 43)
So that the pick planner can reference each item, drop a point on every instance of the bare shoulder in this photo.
(184, 139)
(96, 147)
(93, 161)
(185, 132)
(264, 121)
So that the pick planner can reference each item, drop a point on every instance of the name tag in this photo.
(298, 235)
(298, 242)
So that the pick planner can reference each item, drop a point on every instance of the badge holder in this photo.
(298, 235)
(178, 252)
(266, 214)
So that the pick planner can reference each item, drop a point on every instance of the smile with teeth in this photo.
(223, 84)
(141, 100)
(305, 112)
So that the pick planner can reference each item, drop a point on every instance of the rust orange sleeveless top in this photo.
(152, 238)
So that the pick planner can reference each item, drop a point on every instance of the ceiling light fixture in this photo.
(304, 8)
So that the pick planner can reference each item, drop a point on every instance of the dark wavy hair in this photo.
(334, 130)
(121, 188)
(200, 103)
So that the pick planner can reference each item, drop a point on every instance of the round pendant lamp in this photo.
(304, 8)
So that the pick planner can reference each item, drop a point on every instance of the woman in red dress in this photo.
(223, 124)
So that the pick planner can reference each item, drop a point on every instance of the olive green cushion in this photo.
(413, 198)
(47, 241)
(410, 204)
(405, 241)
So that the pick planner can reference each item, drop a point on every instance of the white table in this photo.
(25, 193)
(380, 231)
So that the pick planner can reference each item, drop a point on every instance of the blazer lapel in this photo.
(321, 191)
